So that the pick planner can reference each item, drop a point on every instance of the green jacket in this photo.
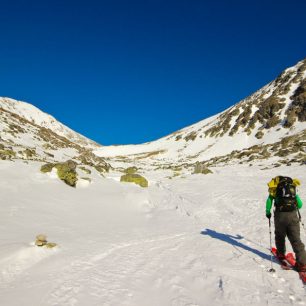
(270, 199)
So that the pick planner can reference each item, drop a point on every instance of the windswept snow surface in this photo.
(199, 240)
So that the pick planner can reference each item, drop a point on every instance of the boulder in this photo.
(134, 178)
(50, 245)
(41, 240)
(41, 237)
(40, 243)
(71, 164)
(47, 167)
(131, 170)
(67, 172)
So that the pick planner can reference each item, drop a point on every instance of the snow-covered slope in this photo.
(36, 116)
(202, 240)
(276, 111)
(29, 134)
(187, 239)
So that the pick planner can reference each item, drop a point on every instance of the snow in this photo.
(198, 240)
(188, 240)
(82, 183)
(38, 117)
(204, 147)
(200, 149)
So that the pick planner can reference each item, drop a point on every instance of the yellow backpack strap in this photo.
(272, 186)
(296, 182)
(274, 182)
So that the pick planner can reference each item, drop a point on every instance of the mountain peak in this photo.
(274, 112)
(265, 123)
(38, 117)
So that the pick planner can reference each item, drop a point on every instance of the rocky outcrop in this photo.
(85, 170)
(201, 168)
(265, 107)
(7, 154)
(291, 149)
(90, 159)
(297, 109)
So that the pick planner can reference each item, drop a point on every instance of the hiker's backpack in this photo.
(285, 199)
(283, 189)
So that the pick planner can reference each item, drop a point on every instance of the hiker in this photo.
(282, 190)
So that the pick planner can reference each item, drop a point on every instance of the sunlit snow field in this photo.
(197, 240)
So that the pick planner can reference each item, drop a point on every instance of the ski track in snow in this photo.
(107, 275)
(111, 282)
(201, 245)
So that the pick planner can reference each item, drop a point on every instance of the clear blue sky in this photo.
(125, 71)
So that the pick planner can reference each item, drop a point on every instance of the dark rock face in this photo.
(299, 102)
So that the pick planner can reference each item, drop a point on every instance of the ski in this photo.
(289, 264)
(291, 259)
(283, 262)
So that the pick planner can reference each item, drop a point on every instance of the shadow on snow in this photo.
(233, 240)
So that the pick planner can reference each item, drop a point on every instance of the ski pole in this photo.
(300, 218)
(271, 269)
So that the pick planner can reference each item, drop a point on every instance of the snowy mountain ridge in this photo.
(27, 134)
(269, 124)
(266, 117)
(38, 117)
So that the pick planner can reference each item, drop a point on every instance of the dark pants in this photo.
(287, 224)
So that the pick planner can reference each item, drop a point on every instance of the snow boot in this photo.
(280, 256)
(300, 267)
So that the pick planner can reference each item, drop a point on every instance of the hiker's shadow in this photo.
(233, 240)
